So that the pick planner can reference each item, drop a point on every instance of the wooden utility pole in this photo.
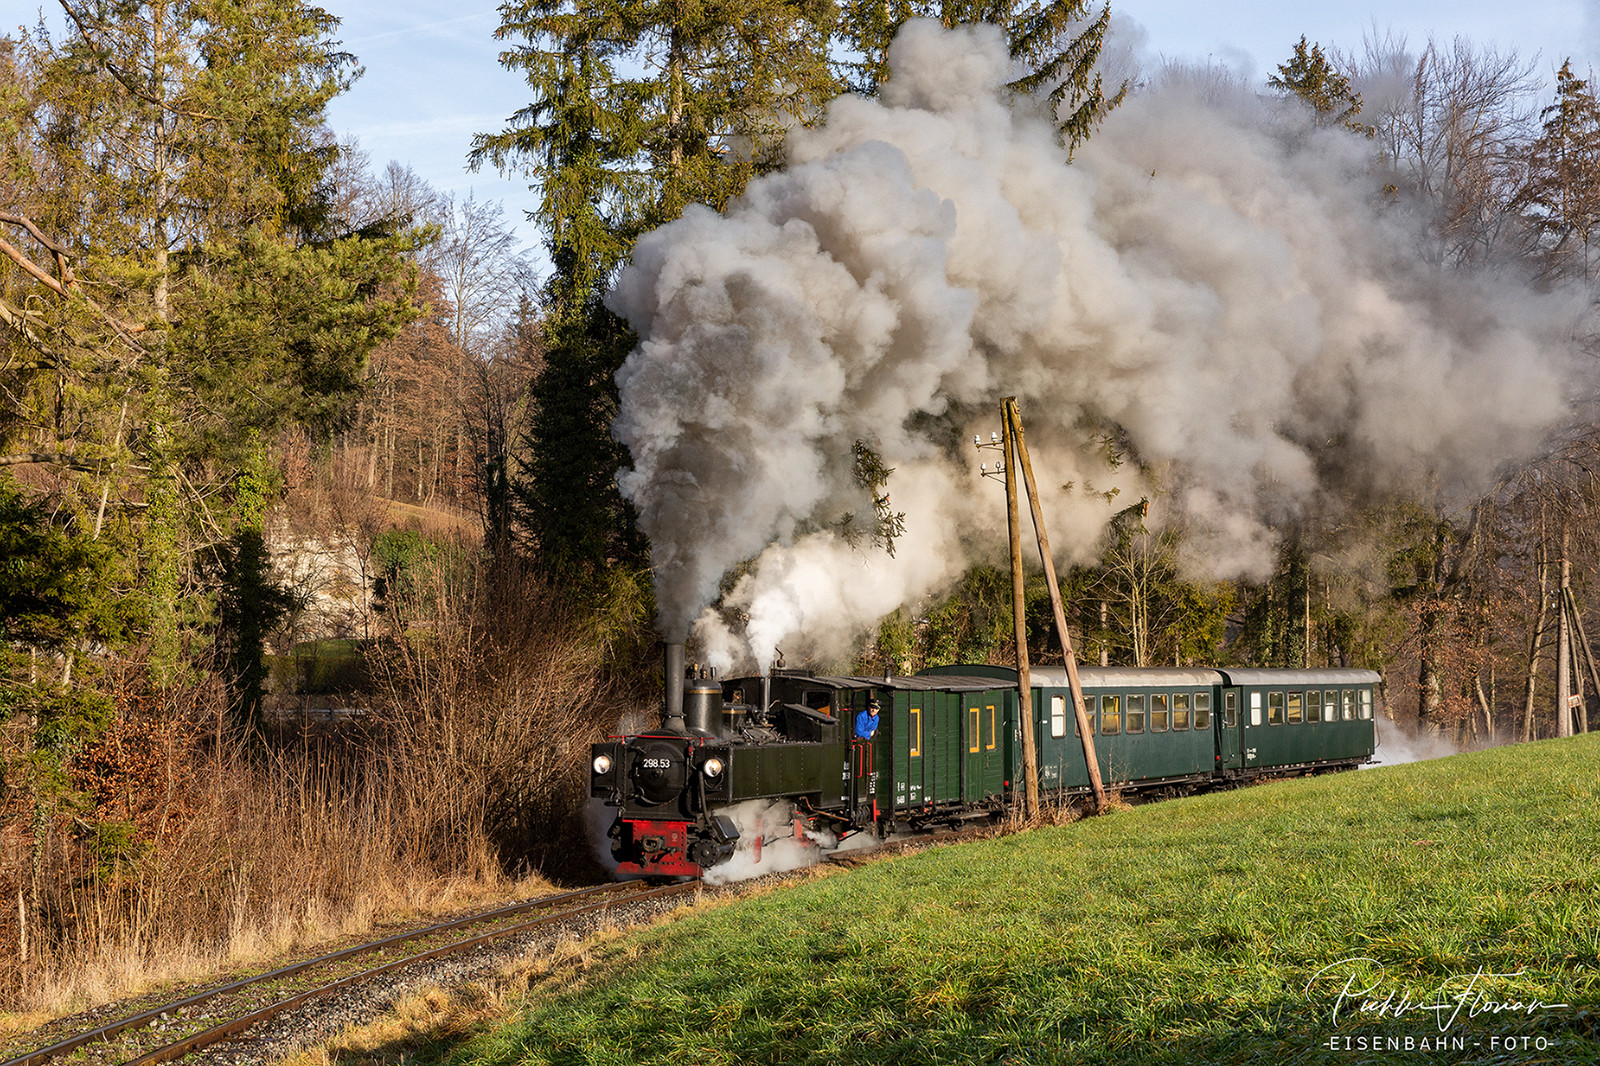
(1014, 433)
(1586, 656)
(1564, 647)
(1305, 657)
(1030, 761)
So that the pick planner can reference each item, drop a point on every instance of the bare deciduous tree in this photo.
(1451, 124)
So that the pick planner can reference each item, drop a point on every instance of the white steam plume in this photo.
(1209, 275)
(1397, 746)
(784, 845)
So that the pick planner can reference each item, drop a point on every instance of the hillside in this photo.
(1227, 928)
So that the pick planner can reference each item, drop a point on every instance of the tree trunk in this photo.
(1430, 694)
(1450, 570)
(40, 827)
(1564, 648)
(1486, 705)
(1541, 619)
(1305, 654)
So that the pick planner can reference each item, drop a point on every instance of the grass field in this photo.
(1303, 921)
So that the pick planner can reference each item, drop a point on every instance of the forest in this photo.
(283, 429)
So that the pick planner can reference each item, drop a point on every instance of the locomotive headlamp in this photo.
(602, 764)
(712, 767)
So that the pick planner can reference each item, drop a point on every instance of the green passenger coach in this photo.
(946, 745)
(1172, 728)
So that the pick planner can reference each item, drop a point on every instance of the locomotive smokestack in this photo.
(672, 712)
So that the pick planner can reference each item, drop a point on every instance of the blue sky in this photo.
(432, 78)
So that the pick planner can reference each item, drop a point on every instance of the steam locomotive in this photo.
(949, 746)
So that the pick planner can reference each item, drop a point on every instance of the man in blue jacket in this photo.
(867, 720)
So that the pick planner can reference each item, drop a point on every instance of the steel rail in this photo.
(121, 1025)
(179, 1048)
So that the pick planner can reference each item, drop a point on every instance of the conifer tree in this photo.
(640, 108)
(1561, 200)
(203, 292)
(1309, 75)
(1058, 42)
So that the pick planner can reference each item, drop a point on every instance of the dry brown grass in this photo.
(223, 853)
(1114, 802)
(1051, 812)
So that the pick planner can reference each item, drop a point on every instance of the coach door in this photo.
(1229, 727)
(983, 745)
(862, 768)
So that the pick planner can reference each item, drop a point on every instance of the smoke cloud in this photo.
(1210, 279)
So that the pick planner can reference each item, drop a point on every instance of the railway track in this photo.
(172, 1030)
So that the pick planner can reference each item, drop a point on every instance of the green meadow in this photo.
(1444, 911)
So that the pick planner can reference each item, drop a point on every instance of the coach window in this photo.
(1313, 705)
(1136, 714)
(1347, 704)
(1180, 710)
(1230, 709)
(1296, 708)
(1159, 719)
(1110, 715)
(1058, 716)
(1255, 708)
(1274, 708)
(1365, 696)
(1202, 710)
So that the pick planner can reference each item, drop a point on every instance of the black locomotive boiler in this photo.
(948, 746)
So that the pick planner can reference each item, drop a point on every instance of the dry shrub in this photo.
(492, 696)
(181, 846)
(1057, 808)
(1114, 802)
(185, 849)
(188, 849)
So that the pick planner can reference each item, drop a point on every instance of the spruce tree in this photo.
(1057, 42)
(1313, 78)
(201, 292)
(1561, 199)
(639, 109)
